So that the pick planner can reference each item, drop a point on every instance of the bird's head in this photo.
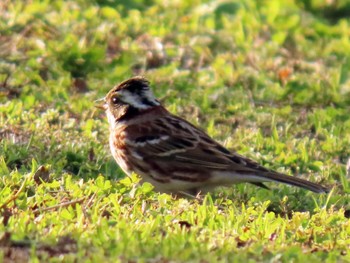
(130, 96)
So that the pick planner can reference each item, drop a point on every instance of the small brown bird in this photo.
(172, 154)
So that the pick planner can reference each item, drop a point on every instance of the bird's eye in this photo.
(115, 100)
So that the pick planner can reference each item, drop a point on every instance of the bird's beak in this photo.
(101, 103)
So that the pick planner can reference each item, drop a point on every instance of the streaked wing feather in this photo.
(190, 156)
(185, 146)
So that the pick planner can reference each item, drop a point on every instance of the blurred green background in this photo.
(269, 79)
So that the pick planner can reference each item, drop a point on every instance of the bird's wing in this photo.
(177, 143)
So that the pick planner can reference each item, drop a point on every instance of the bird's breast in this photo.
(119, 150)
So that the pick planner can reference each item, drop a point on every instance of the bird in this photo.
(172, 154)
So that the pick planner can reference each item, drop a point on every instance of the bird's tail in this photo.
(291, 180)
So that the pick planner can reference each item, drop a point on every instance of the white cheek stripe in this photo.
(135, 100)
(149, 96)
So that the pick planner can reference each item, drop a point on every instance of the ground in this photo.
(268, 79)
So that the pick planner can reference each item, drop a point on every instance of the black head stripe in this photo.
(135, 85)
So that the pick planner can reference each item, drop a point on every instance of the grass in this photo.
(269, 79)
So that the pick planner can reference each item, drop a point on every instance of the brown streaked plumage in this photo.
(171, 153)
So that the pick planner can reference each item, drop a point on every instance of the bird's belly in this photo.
(172, 185)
